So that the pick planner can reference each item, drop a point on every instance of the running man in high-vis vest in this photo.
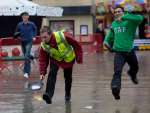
(61, 50)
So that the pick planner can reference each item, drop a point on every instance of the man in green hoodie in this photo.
(120, 40)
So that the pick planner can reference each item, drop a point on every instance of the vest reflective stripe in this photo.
(54, 53)
(65, 51)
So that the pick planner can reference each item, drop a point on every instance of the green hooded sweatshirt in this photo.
(121, 35)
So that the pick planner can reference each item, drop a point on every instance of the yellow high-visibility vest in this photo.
(64, 52)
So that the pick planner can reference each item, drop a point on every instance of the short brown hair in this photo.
(45, 29)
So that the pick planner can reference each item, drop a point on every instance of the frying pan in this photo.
(36, 85)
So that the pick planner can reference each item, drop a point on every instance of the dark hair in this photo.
(24, 13)
(45, 29)
(118, 6)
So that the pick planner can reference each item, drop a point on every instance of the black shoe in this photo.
(31, 57)
(115, 92)
(133, 78)
(47, 98)
(67, 98)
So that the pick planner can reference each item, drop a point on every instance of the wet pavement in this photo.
(90, 92)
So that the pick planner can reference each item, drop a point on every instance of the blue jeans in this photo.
(26, 50)
(119, 61)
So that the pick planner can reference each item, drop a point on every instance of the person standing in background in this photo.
(100, 30)
(28, 31)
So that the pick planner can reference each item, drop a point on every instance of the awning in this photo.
(16, 7)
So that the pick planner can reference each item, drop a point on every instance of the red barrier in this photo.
(92, 43)
(99, 42)
(12, 42)
(2, 64)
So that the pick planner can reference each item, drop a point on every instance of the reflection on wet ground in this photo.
(90, 92)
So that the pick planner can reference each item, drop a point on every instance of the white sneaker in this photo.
(26, 75)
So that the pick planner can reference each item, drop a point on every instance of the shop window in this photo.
(67, 25)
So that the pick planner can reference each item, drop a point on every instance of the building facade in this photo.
(77, 17)
(82, 17)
